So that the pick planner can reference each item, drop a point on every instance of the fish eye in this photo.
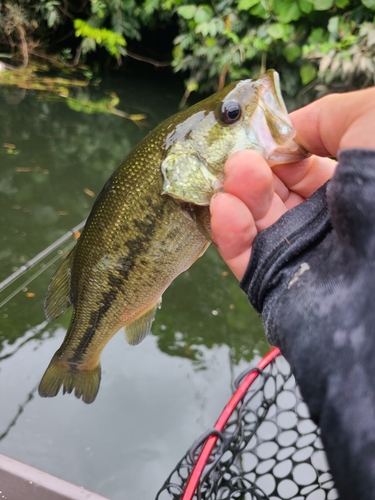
(230, 112)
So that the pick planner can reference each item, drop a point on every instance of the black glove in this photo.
(312, 277)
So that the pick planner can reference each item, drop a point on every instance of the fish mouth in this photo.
(275, 135)
(288, 153)
(275, 82)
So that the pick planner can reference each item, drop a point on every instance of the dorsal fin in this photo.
(57, 298)
(136, 331)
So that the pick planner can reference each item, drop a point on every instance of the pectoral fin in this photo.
(57, 298)
(187, 178)
(201, 216)
(135, 332)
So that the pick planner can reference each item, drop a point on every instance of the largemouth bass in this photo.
(151, 222)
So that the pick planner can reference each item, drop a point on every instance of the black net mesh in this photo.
(269, 449)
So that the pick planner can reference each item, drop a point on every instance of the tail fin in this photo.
(84, 383)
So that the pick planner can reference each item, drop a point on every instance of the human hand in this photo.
(255, 196)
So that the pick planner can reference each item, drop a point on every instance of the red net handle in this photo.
(222, 420)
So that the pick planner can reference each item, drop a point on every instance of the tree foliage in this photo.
(111, 41)
(326, 44)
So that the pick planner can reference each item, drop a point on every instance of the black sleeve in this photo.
(312, 277)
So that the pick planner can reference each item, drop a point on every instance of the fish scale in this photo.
(151, 222)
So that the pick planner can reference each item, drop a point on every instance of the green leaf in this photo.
(260, 44)
(323, 4)
(187, 11)
(307, 72)
(370, 4)
(88, 45)
(192, 86)
(177, 52)
(259, 11)
(247, 4)
(91, 36)
(291, 52)
(204, 28)
(333, 26)
(233, 37)
(210, 42)
(287, 10)
(276, 30)
(342, 3)
(306, 6)
(52, 17)
(317, 35)
(203, 14)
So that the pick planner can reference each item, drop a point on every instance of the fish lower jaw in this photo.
(288, 153)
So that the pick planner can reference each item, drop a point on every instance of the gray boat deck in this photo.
(19, 481)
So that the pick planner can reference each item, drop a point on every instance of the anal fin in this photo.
(136, 331)
(57, 298)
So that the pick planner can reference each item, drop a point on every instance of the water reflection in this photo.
(155, 399)
(63, 159)
(21, 409)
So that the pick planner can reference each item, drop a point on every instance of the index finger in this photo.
(323, 127)
(335, 122)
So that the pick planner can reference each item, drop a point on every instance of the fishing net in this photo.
(263, 446)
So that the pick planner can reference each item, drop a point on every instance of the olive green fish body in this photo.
(151, 222)
(126, 257)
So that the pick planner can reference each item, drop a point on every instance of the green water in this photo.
(155, 399)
